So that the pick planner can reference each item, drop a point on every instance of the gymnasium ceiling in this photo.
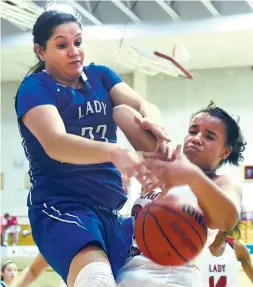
(210, 29)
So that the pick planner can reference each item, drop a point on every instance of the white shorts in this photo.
(13, 229)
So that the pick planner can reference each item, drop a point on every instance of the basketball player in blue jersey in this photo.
(219, 262)
(64, 113)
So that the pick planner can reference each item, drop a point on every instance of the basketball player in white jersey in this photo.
(139, 271)
(220, 262)
(208, 144)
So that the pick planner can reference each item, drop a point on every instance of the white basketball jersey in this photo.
(62, 284)
(140, 271)
(222, 271)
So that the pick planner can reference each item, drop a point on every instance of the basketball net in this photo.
(152, 63)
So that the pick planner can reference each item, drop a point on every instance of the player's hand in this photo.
(178, 171)
(152, 180)
(130, 164)
(157, 130)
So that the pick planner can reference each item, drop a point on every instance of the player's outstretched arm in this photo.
(220, 199)
(140, 139)
(32, 272)
(47, 126)
(122, 94)
(243, 256)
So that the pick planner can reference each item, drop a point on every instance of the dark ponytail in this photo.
(39, 67)
(236, 233)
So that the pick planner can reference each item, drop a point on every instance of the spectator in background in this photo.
(9, 272)
(12, 227)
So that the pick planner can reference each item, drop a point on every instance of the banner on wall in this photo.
(250, 248)
(19, 251)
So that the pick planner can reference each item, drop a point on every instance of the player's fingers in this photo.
(139, 121)
(154, 165)
(178, 151)
(165, 190)
(156, 182)
(125, 182)
(157, 131)
(150, 155)
(162, 146)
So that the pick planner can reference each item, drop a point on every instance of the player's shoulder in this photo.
(238, 244)
(241, 251)
(95, 67)
(230, 241)
(98, 70)
(37, 80)
(225, 179)
(228, 183)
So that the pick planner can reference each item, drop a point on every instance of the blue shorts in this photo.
(62, 230)
(127, 225)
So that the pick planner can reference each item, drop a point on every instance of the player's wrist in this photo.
(194, 174)
(115, 152)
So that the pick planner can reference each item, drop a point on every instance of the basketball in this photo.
(170, 231)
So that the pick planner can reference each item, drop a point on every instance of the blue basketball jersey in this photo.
(86, 112)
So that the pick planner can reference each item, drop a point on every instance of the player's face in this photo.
(64, 54)
(205, 143)
(10, 273)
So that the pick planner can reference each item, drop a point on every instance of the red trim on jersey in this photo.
(230, 241)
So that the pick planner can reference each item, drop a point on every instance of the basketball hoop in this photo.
(153, 63)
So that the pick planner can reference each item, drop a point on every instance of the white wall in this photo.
(177, 99)
(13, 197)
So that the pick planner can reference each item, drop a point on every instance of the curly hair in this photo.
(234, 136)
(236, 233)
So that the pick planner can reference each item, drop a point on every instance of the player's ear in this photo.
(39, 51)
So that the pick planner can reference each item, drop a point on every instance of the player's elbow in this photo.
(125, 110)
(227, 221)
(232, 217)
(116, 112)
(123, 116)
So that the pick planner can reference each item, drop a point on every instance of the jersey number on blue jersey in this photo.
(100, 129)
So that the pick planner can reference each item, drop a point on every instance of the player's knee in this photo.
(97, 274)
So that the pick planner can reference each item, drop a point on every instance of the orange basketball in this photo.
(170, 231)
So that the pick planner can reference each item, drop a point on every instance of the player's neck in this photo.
(218, 246)
(210, 173)
(8, 283)
(76, 83)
